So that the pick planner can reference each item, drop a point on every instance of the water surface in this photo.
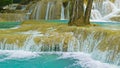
(26, 59)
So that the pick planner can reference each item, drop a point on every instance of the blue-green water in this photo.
(58, 21)
(101, 23)
(107, 23)
(13, 24)
(43, 61)
(35, 60)
(23, 59)
(26, 59)
(9, 24)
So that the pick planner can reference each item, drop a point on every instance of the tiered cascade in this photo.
(104, 45)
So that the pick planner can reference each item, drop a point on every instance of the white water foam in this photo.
(112, 14)
(86, 61)
(108, 10)
(62, 13)
(31, 32)
(100, 20)
(17, 54)
(16, 27)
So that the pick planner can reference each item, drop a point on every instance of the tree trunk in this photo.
(88, 12)
(71, 11)
(77, 13)
(77, 16)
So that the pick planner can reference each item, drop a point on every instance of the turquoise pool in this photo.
(27, 59)
(9, 24)
(14, 24)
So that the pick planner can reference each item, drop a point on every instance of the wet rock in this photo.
(115, 18)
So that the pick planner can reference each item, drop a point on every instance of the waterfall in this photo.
(51, 11)
(117, 3)
(56, 10)
(65, 11)
(108, 7)
(95, 14)
(106, 10)
(98, 43)
(38, 10)
(98, 5)
(47, 12)
(62, 13)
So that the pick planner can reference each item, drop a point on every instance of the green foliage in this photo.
(16, 1)
(26, 1)
(5, 2)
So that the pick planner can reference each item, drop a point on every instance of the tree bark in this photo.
(71, 11)
(77, 15)
(88, 12)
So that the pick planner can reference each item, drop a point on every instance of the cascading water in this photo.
(107, 9)
(50, 10)
(95, 14)
(37, 11)
(62, 13)
(53, 10)
(100, 45)
(117, 3)
(101, 10)
(47, 12)
(93, 42)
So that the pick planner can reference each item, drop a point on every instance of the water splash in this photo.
(108, 7)
(80, 59)
(95, 14)
(17, 54)
(105, 10)
(79, 41)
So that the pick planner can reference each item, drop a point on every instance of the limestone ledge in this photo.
(41, 36)
(56, 33)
